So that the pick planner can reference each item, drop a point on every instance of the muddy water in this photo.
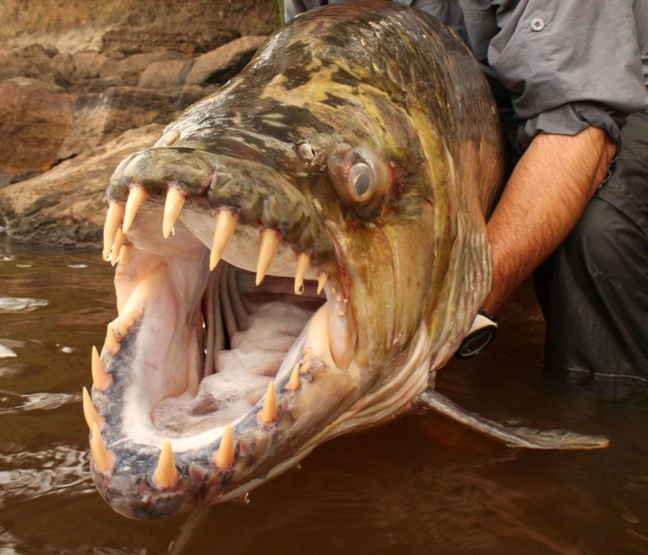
(419, 485)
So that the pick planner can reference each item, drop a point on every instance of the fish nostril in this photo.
(306, 151)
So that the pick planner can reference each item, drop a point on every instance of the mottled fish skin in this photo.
(373, 83)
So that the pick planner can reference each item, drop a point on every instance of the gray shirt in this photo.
(566, 64)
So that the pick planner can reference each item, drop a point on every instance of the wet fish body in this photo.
(325, 253)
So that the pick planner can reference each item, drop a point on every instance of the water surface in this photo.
(421, 484)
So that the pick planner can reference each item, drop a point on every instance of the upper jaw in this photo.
(134, 468)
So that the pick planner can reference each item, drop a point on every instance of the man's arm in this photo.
(542, 202)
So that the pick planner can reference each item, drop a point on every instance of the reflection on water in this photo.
(419, 485)
(18, 304)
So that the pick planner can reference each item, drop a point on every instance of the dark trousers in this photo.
(594, 289)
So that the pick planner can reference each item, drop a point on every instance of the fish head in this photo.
(294, 256)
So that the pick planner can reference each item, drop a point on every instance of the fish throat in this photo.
(203, 347)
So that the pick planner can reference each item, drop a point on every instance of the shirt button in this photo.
(537, 24)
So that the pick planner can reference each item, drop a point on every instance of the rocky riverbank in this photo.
(74, 103)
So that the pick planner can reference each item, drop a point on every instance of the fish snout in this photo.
(231, 190)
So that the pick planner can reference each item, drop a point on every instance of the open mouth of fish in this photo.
(233, 353)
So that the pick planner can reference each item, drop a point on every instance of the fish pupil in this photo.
(362, 184)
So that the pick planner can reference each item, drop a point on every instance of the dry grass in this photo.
(39, 16)
(58, 16)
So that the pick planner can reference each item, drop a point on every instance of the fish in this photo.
(296, 257)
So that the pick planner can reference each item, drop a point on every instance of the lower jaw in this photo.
(133, 416)
(262, 448)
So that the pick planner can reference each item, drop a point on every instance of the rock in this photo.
(87, 65)
(149, 38)
(36, 61)
(64, 206)
(64, 66)
(34, 120)
(164, 76)
(223, 63)
(139, 62)
(102, 117)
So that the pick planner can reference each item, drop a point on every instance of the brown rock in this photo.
(223, 63)
(102, 117)
(87, 65)
(34, 120)
(163, 76)
(137, 63)
(64, 206)
(148, 38)
(36, 61)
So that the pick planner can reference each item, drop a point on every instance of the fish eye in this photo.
(361, 177)
(362, 182)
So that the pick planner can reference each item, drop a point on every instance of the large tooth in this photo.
(293, 382)
(342, 335)
(270, 241)
(101, 379)
(112, 343)
(123, 255)
(225, 454)
(172, 208)
(226, 222)
(166, 474)
(113, 219)
(117, 245)
(321, 282)
(269, 411)
(90, 412)
(306, 357)
(103, 458)
(303, 262)
(136, 197)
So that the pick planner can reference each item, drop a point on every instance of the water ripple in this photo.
(14, 403)
(20, 304)
(29, 475)
(12, 545)
(6, 352)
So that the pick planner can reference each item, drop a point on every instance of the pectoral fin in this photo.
(527, 438)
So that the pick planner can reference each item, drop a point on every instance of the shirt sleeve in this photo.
(292, 8)
(568, 65)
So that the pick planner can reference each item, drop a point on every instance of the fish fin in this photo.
(526, 438)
